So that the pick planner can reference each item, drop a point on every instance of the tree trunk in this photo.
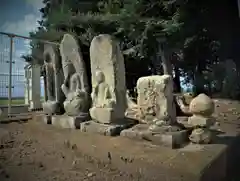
(176, 80)
(157, 66)
(166, 64)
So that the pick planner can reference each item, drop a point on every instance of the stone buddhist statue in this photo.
(103, 99)
(102, 96)
(75, 86)
(109, 101)
(76, 96)
(54, 78)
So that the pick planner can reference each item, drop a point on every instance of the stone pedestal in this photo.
(47, 119)
(65, 121)
(104, 115)
(169, 139)
(106, 129)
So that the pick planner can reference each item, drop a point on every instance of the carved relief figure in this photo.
(102, 96)
(75, 86)
(54, 77)
(108, 80)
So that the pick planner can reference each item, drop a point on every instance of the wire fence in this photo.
(14, 84)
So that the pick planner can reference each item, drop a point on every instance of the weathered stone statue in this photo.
(54, 78)
(202, 107)
(157, 113)
(156, 102)
(75, 86)
(102, 95)
(108, 80)
(76, 96)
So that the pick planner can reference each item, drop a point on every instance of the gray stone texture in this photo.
(202, 108)
(155, 98)
(108, 80)
(54, 78)
(105, 129)
(73, 122)
(75, 85)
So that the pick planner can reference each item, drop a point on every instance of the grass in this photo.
(15, 101)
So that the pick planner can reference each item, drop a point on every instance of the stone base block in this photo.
(105, 129)
(105, 115)
(47, 119)
(169, 139)
(65, 121)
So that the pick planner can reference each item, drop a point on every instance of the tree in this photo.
(189, 31)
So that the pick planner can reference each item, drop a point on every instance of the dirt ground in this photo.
(32, 151)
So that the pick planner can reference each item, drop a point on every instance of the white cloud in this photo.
(22, 27)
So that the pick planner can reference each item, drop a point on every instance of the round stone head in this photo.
(100, 77)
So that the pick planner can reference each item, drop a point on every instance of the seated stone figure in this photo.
(76, 101)
(103, 100)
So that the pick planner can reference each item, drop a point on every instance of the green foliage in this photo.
(190, 31)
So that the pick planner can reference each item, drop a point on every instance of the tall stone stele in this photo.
(109, 101)
(75, 85)
(202, 107)
(54, 77)
(156, 104)
(157, 113)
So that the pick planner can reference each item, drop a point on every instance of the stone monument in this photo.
(32, 86)
(202, 107)
(108, 87)
(75, 86)
(158, 112)
(54, 77)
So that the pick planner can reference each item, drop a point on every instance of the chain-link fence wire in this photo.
(15, 85)
(4, 69)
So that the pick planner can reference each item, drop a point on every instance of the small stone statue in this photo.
(102, 96)
(76, 96)
(202, 108)
(103, 100)
(53, 104)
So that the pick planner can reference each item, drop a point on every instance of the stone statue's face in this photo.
(99, 77)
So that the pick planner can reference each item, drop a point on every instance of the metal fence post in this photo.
(10, 76)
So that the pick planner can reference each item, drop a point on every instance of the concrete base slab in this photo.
(169, 139)
(105, 129)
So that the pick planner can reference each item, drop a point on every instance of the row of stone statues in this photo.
(67, 82)
(69, 94)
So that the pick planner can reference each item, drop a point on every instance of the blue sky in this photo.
(19, 17)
